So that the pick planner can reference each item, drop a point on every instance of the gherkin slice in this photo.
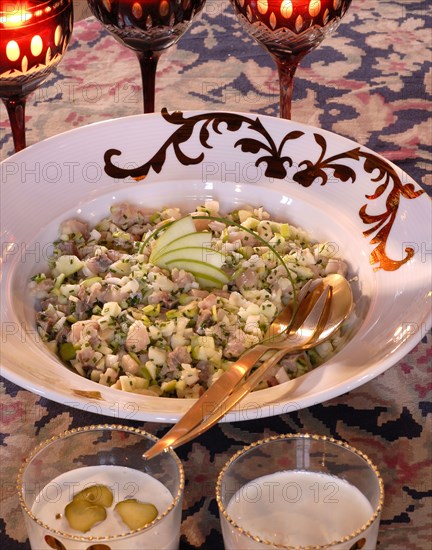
(96, 494)
(136, 514)
(82, 515)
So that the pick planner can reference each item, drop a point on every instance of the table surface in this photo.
(371, 82)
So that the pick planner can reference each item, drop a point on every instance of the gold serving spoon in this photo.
(302, 329)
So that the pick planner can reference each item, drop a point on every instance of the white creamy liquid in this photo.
(124, 483)
(298, 508)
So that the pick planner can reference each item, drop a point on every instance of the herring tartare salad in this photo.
(162, 302)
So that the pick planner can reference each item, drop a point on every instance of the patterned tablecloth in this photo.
(370, 81)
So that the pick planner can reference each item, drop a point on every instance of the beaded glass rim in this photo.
(321, 438)
(94, 428)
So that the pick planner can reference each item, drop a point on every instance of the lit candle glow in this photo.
(296, 15)
(34, 35)
(15, 14)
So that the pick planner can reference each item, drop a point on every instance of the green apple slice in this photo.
(183, 247)
(197, 239)
(180, 227)
(202, 254)
(206, 274)
(205, 281)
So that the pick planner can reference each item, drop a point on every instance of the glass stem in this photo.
(286, 69)
(15, 107)
(148, 62)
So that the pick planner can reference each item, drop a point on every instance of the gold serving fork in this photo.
(311, 306)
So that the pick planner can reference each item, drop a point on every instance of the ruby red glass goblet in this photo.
(288, 30)
(148, 27)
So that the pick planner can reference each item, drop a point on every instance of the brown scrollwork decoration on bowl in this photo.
(382, 223)
(276, 162)
(273, 157)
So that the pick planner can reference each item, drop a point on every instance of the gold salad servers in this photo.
(337, 310)
(315, 319)
(288, 320)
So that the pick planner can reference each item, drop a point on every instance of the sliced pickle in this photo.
(96, 494)
(136, 514)
(82, 515)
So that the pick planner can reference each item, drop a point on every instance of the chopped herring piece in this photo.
(137, 337)
(177, 357)
(73, 227)
(129, 364)
(84, 331)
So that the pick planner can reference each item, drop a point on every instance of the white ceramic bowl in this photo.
(331, 186)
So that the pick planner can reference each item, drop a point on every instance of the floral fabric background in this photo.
(371, 82)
